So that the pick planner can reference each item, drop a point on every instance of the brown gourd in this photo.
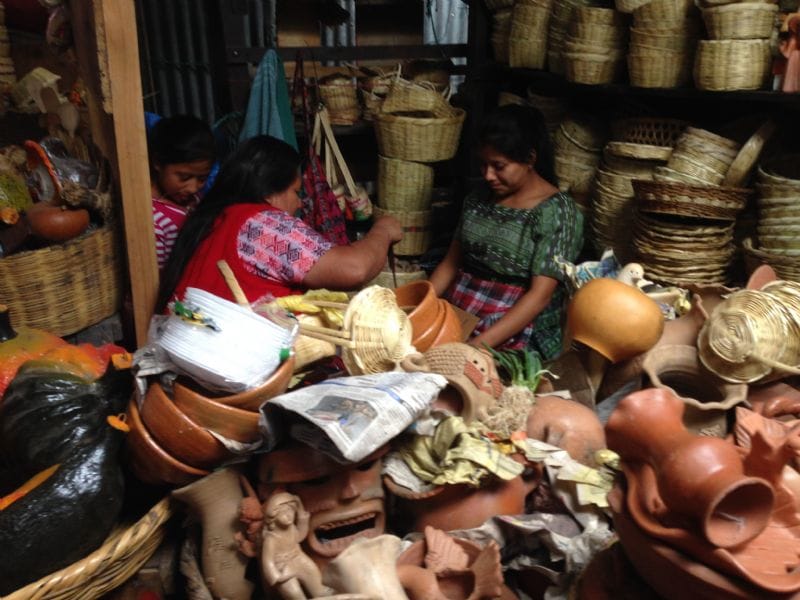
(56, 223)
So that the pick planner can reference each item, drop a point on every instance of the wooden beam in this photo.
(116, 19)
(241, 54)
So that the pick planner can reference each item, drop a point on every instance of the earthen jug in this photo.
(214, 500)
(568, 425)
(698, 477)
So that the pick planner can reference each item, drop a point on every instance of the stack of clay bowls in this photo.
(737, 55)
(594, 50)
(433, 320)
(527, 43)
(578, 142)
(560, 21)
(663, 37)
(175, 438)
(7, 72)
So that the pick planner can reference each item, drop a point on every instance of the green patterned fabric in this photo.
(511, 245)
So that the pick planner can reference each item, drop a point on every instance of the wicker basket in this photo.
(419, 139)
(732, 64)
(663, 10)
(684, 164)
(677, 41)
(501, 29)
(529, 21)
(599, 35)
(412, 95)
(574, 176)
(404, 185)
(122, 554)
(529, 53)
(372, 103)
(628, 6)
(663, 70)
(648, 131)
(690, 201)
(494, 5)
(387, 279)
(417, 232)
(592, 15)
(341, 100)
(741, 21)
(591, 69)
(65, 287)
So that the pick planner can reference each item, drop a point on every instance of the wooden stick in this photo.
(328, 338)
(304, 327)
(233, 285)
(327, 303)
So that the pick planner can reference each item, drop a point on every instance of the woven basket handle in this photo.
(777, 365)
(337, 154)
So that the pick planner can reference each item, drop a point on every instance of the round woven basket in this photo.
(787, 267)
(658, 154)
(584, 132)
(600, 35)
(501, 30)
(682, 163)
(527, 52)
(574, 176)
(420, 139)
(592, 15)
(404, 185)
(648, 131)
(341, 100)
(663, 10)
(417, 232)
(123, 553)
(372, 103)
(406, 95)
(529, 21)
(663, 70)
(732, 64)
(387, 280)
(677, 41)
(690, 201)
(628, 6)
(635, 168)
(741, 21)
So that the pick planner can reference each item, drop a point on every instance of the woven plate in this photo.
(748, 155)
(690, 201)
(639, 151)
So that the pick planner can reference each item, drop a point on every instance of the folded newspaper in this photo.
(348, 418)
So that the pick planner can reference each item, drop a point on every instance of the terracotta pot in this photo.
(568, 425)
(228, 421)
(423, 340)
(707, 398)
(177, 434)
(450, 331)
(149, 462)
(460, 506)
(421, 295)
(615, 319)
(699, 477)
(346, 572)
(253, 399)
(56, 223)
(214, 500)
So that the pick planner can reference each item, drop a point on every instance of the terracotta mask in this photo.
(345, 502)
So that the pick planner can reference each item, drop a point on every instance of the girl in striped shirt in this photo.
(181, 150)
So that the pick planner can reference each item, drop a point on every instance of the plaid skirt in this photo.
(489, 300)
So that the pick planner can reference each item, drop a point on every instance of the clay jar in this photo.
(706, 397)
(215, 501)
(701, 478)
(460, 506)
(422, 296)
(568, 425)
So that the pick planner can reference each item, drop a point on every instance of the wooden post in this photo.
(108, 58)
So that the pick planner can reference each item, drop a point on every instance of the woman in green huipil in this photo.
(501, 265)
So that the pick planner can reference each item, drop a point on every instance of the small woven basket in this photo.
(648, 131)
(413, 95)
(420, 139)
(591, 69)
(628, 6)
(691, 201)
(66, 287)
(663, 10)
(372, 103)
(529, 21)
(404, 185)
(741, 21)
(677, 41)
(341, 100)
(417, 232)
(663, 70)
(732, 64)
(599, 35)
(684, 164)
(119, 558)
(387, 279)
(526, 52)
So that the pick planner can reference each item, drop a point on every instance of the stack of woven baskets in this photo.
(594, 52)
(560, 22)
(338, 93)
(527, 44)
(737, 56)
(373, 90)
(416, 126)
(637, 148)
(578, 142)
(7, 72)
(501, 27)
(700, 158)
(663, 37)
(778, 188)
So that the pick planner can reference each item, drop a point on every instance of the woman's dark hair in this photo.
(518, 131)
(180, 139)
(258, 168)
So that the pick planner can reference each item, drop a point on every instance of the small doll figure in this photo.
(790, 48)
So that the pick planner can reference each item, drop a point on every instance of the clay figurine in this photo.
(284, 566)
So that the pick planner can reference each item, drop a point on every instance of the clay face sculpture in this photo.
(345, 502)
(568, 425)
(699, 479)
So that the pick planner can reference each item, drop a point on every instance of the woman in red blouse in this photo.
(248, 219)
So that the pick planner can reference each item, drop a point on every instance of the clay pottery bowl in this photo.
(253, 399)
(421, 295)
(177, 434)
(450, 330)
(423, 341)
(228, 421)
(149, 462)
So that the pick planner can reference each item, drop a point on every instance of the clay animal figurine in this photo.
(284, 566)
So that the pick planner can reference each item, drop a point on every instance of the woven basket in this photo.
(732, 64)
(574, 176)
(417, 138)
(783, 171)
(591, 69)
(404, 185)
(648, 131)
(341, 100)
(386, 279)
(417, 232)
(787, 267)
(529, 21)
(740, 21)
(119, 558)
(494, 5)
(372, 103)
(663, 10)
(684, 164)
(406, 95)
(592, 15)
(628, 6)
(65, 287)
(677, 41)
(664, 70)
(631, 167)
(690, 201)
(501, 30)
(599, 35)
(529, 53)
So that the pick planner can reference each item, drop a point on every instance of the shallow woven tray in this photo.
(639, 151)
(690, 201)
(119, 558)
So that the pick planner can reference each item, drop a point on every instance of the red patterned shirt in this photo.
(167, 222)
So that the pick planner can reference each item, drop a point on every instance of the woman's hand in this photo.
(391, 226)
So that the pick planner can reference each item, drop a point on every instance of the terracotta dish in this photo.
(422, 296)
(149, 462)
(228, 421)
(253, 399)
(177, 434)
(450, 330)
(422, 341)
